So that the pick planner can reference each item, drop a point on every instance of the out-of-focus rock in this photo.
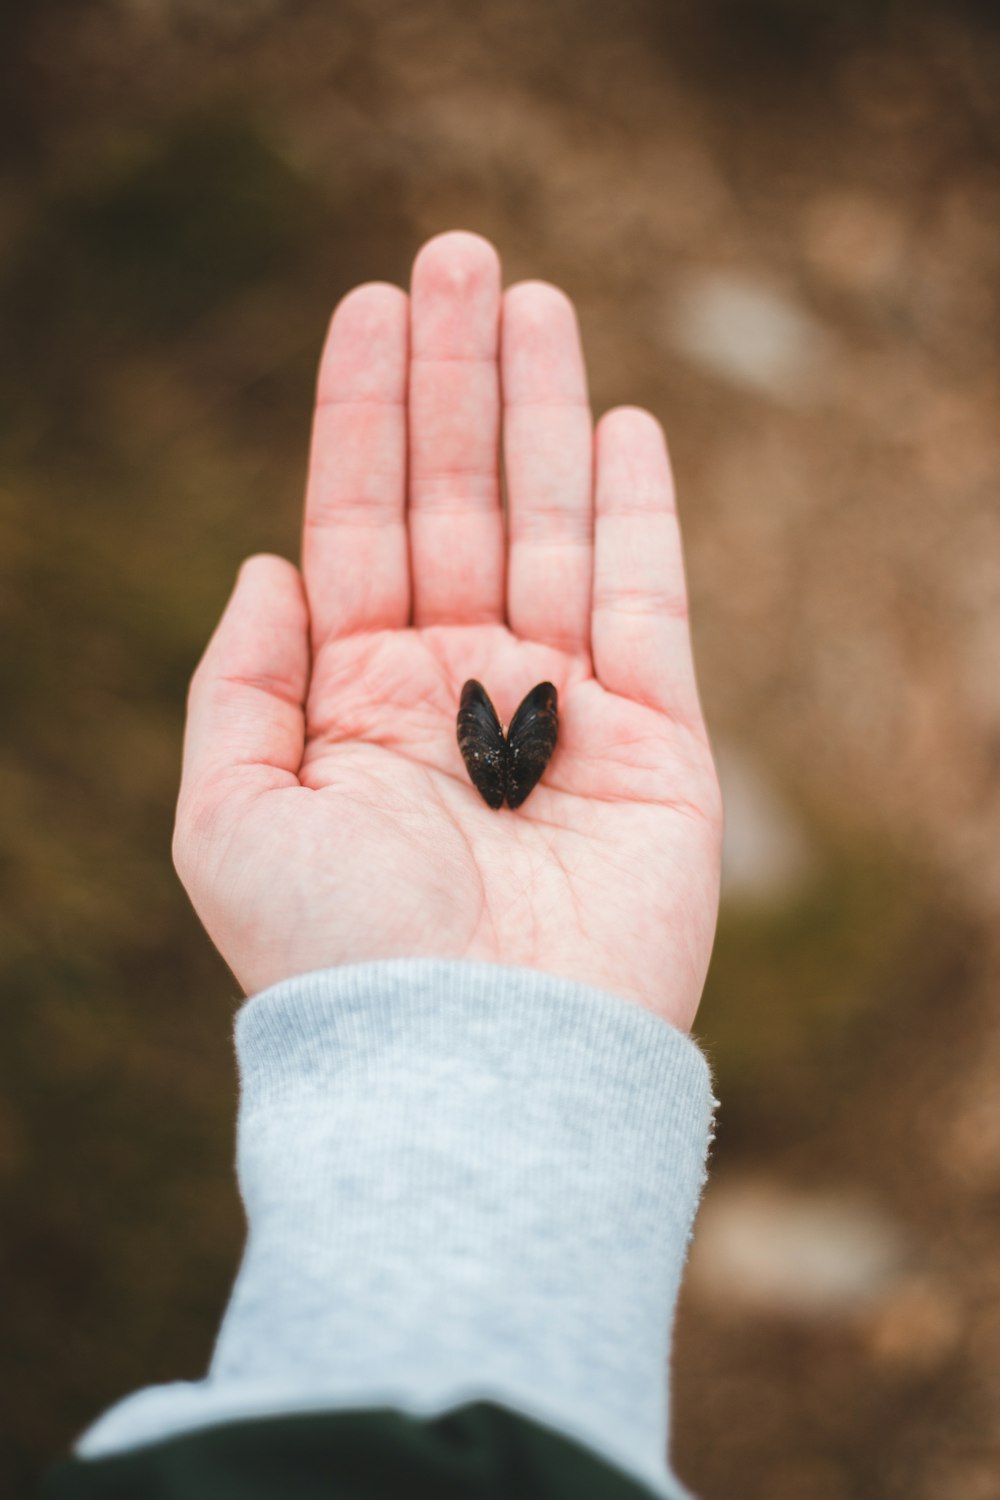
(766, 855)
(752, 335)
(855, 241)
(767, 1249)
(969, 1143)
(916, 1327)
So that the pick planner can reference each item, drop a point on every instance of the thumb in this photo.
(246, 705)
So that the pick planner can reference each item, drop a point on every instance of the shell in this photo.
(510, 767)
(481, 741)
(531, 740)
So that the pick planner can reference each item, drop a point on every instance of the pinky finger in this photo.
(641, 639)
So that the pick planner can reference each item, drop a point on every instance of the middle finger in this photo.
(455, 518)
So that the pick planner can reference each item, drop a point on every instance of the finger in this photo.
(455, 517)
(245, 706)
(354, 549)
(548, 448)
(640, 636)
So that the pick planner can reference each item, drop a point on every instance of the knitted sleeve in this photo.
(463, 1182)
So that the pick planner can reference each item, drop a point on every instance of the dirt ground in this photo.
(781, 225)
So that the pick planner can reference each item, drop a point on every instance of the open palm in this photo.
(325, 814)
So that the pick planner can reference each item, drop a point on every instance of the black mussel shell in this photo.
(510, 767)
(481, 741)
(531, 740)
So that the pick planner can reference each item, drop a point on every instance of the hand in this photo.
(325, 814)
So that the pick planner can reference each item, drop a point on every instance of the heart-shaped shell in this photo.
(510, 767)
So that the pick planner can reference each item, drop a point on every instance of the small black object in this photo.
(510, 767)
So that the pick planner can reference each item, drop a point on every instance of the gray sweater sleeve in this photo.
(462, 1181)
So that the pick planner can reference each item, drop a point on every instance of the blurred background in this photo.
(779, 221)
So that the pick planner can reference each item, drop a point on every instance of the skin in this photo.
(325, 816)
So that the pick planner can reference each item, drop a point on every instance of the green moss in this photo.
(792, 985)
(197, 216)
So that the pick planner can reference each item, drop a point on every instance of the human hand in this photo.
(325, 815)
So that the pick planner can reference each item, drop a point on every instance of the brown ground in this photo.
(186, 189)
